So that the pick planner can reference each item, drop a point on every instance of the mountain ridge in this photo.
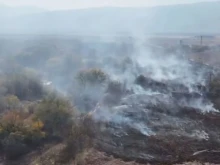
(203, 17)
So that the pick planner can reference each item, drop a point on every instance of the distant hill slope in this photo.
(188, 18)
(7, 11)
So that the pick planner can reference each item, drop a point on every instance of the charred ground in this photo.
(147, 103)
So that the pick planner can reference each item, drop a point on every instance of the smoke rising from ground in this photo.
(177, 74)
(164, 68)
(123, 60)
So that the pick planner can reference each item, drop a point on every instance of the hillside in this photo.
(188, 18)
(61, 97)
(7, 11)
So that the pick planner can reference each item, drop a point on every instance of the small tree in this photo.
(91, 76)
(24, 86)
(19, 134)
(78, 141)
(56, 115)
(116, 87)
(12, 102)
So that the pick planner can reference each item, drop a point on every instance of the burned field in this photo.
(138, 104)
(169, 122)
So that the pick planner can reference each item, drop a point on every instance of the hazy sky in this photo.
(70, 4)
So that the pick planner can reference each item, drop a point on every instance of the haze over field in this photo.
(77, 4)
(83, 80)
(179, 18)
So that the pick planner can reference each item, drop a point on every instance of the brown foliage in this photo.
(19, 133)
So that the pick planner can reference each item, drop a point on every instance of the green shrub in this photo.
(77, 142)
(9, 102)
(14, 145)
(12, 102)
(56, 114)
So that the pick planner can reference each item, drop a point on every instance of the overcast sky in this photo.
(70, 4)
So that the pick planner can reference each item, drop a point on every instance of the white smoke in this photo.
(161, 67)
(204, 106)
(115, 115)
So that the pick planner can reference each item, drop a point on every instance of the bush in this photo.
(14, 145)
(115, 87)
(215, 84)
(56, 114)
(19, 133)
(9, 102)
(24, 86)
(78, 141)
(12, 102)
(91, 76)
